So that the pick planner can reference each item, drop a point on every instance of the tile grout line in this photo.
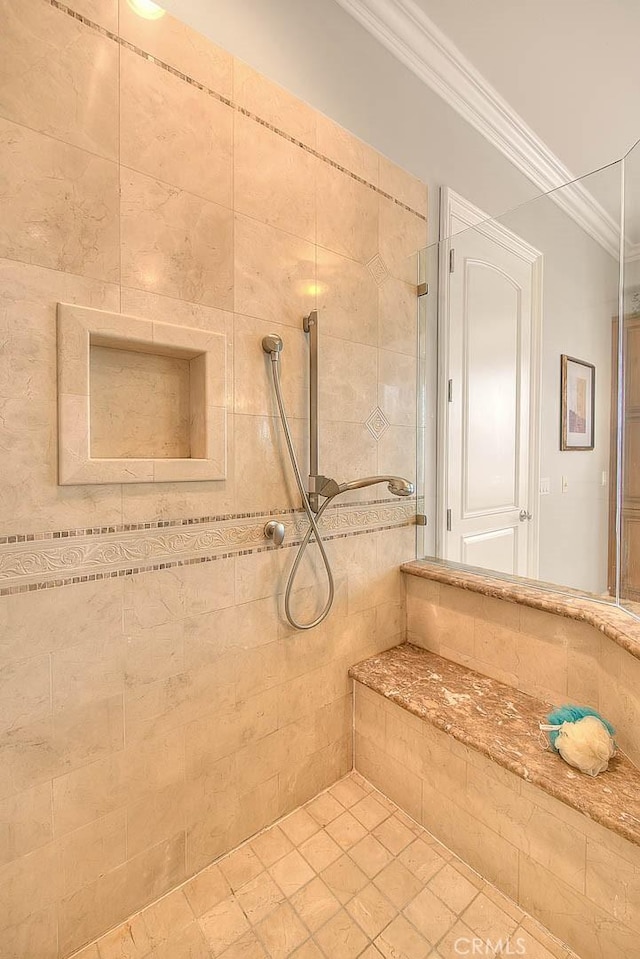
(392, 811)
(64, 8)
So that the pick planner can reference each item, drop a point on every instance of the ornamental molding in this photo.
(415, 40)
(47, 562)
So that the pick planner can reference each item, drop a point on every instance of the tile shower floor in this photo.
(347, 875)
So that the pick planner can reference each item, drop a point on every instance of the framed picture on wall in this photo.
(577, 416)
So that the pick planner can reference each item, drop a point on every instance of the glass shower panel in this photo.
(427, 397)
(525, 348)
(630, 406)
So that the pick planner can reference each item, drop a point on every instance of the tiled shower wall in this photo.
(154, 708)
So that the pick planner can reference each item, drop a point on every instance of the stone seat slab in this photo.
(502, 723)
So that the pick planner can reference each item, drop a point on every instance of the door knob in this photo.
(524, 515)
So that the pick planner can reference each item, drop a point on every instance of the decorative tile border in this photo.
(167, 523)
(43, 564)
(234, 106)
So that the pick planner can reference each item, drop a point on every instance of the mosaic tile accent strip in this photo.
(377, 423)
(234, 106)
(45, 563)
(168, 523)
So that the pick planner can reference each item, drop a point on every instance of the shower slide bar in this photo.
(318, 484)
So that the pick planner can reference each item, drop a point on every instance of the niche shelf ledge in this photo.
(121, 414)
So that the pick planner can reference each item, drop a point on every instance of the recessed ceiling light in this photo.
(147, 9)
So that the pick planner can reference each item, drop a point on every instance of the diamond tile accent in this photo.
(377, 423)
(378, 269)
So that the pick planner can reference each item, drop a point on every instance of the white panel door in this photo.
(491, 300)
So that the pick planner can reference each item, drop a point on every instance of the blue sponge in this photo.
(571, 714)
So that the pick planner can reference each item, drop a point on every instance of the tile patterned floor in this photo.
(348, 875)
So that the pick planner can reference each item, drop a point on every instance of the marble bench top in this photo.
(502, 723)
(613, 621)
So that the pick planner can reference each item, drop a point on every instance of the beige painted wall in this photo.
(151, 721)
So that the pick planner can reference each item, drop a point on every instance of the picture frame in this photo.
(577, 407)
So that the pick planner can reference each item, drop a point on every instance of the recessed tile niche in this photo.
(138, 401)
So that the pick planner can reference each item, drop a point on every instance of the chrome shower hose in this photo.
(313, 519)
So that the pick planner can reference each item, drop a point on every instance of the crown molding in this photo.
(632, 254)
(414, 39)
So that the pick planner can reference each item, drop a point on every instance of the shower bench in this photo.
(462, 753)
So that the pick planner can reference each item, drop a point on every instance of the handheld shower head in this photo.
(396, 484)
(272, 344)
(401, 487)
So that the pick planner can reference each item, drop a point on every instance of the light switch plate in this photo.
(545, 486)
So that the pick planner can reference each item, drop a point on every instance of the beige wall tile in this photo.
(397, 388)
(88, 671)
(275, 274)
(84, 733)
(209, 827)
(29, 757)
(347, 215)
(579, 922)
(176, 243)
(479, 846)
(167, 596)
(397, 308)
(102, 12)
(92, 850)
(157, 708)
(26, 822)
(347, 451)
(25, 693)
(156, 817)
(103, 903)
(36, 936)
(612, 882)
(173, 42)
(274, 179)
(245, 723)
(59, 76)
(397, 452)
(36, 622)
(173, 131)
(117, 743)
(348, 389)
(391, 777)
(343, 147)
(402, 234)
(542, 666)
(253, 383)
(140, 405)
(401, 185)
(31, 500)
(272, 103)
(22, 891)
(92, 791)
(347, 298)
(153, 653)
(66, 197)
(263, 475)
(496, 650)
